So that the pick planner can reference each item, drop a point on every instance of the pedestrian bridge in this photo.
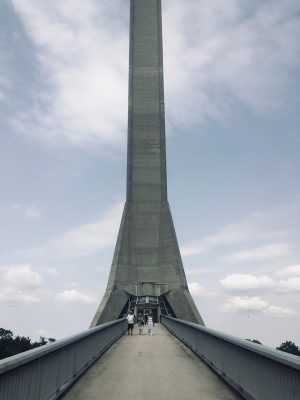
(181, 360)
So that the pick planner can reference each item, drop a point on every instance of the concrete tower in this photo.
(147, 271)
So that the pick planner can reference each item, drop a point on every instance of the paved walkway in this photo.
(150, 367)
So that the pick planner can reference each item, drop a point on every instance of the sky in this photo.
(232, 120)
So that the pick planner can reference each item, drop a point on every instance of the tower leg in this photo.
(110, 307)
(183, 305)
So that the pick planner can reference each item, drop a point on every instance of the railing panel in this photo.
(46, 372)
(257, 372)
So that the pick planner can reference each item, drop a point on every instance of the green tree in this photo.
(10, 345)
(5, 334)
(289, 347)
(20, 344)
(6, 340)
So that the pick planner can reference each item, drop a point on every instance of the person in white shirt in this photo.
(150, 324)
(130, 321)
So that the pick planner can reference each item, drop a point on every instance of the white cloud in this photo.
(262, 253)
(250, 305)
(279, 311)
(82, 55)
(274, 230)
(84, 239)
(21, 276)
(74, 296)
(23, 284)
(191, 250)
(242, 282)
(247, 282)
(289, 271)
(290, 285)
(198, 291)
(12, 296)
(244, 304)
(223, 236)
(234, 233)
(247, 38)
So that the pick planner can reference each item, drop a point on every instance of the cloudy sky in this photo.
(233, 143)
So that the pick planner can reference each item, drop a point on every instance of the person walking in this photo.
(130, 321)
(150, 325)
(140, 320)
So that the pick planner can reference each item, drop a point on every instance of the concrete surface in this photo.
(147, 259)
(150, 367)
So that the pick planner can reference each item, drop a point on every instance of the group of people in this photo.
(141, 321)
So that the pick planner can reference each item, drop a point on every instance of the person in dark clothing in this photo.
(141, 323)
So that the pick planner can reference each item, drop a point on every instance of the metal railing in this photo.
(257, 372)
(48, 371)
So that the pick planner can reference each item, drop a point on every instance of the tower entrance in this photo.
(146, 305)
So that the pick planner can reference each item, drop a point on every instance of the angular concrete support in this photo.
(147, 260)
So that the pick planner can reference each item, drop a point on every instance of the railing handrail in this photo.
(20, 359)
(265, 351)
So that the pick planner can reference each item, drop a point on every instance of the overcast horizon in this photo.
(231, 73)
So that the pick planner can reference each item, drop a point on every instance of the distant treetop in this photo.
(10, 345)
(289, 347)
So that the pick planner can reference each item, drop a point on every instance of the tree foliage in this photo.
(289, 347)
(10, 345)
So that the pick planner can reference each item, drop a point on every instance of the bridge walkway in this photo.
(150, 367)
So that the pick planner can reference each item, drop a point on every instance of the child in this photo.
(150, 325)
(140, 320)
